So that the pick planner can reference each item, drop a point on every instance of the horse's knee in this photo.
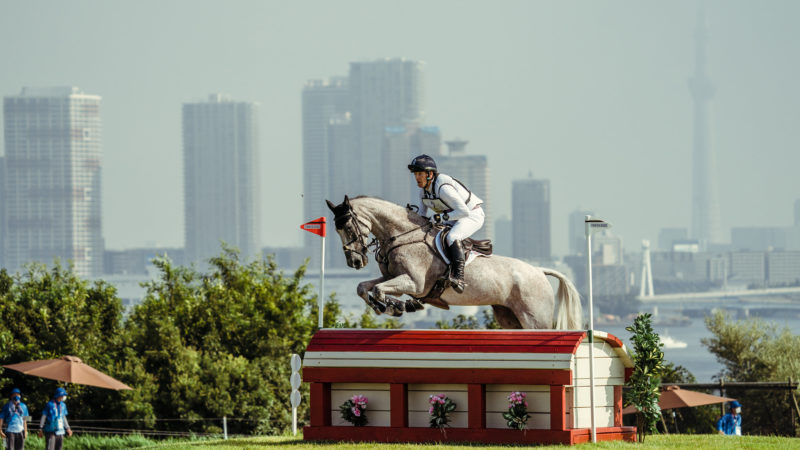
(361, 290)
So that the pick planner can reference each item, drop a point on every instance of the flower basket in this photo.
(354, 409)
(517, 415)
(441, 407)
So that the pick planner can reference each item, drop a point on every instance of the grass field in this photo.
(706, 441)
(702, 441)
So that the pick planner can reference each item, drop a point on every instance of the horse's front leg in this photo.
(363, 291)
(399, 285)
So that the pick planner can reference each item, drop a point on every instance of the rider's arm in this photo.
(449, 195)
(423, 210)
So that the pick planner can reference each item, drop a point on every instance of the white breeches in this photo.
(466, 226)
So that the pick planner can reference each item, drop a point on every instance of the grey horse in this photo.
(519, 293)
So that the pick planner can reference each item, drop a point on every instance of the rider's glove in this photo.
(445, 217)
(436, 218)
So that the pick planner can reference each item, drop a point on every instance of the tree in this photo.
(754, 350)
(645, 381)
(48, 313)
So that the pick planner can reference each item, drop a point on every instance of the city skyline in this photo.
(591, 97)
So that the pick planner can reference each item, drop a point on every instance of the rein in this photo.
(378, 245)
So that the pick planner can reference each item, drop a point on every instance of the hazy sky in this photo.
(592, 95)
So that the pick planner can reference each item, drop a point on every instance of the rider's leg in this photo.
(462, 229)
(455, 252)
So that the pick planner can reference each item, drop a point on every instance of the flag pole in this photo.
(592, 224)
(318, 227)
(591, 323)
(322, 282)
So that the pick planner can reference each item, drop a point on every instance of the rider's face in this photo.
(422, 179)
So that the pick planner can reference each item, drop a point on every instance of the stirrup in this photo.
(457, 284)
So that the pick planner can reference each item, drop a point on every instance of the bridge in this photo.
(788, 295)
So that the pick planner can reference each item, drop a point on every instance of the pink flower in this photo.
(356, 411)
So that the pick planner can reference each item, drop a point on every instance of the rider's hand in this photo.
(40, 433)
(69, 432)
(436, 218)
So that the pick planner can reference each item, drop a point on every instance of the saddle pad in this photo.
(471, 257)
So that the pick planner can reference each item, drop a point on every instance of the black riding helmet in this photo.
(423, 163)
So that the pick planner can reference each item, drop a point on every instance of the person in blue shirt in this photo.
(13, 427)
(731, 423)
(54, 421)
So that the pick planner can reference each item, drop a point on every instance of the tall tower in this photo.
(329, 160)
(51, 194)
(220, 164)
(384, 93)
(705, 203)
(530, 219)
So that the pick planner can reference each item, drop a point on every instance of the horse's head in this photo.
(353, 231)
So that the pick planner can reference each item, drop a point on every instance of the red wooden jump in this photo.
(399, 369)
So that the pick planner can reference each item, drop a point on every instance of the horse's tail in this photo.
(570, 312)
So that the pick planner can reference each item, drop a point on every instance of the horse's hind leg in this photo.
(505, 317)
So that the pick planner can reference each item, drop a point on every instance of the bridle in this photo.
(350, 215)
(341, 221)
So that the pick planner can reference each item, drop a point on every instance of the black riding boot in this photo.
(456, 254)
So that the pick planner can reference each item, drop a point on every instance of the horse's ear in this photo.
(330, 205)
(346, 200)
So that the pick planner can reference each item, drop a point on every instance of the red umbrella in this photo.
(70, 369)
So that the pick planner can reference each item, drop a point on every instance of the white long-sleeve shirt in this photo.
(452, 194)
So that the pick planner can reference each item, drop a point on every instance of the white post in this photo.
(225, 427)
(591, 322)
(322, 283)
(295, 381)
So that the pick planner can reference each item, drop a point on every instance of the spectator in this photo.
(54, 421)
(731, 423)
(13, 427)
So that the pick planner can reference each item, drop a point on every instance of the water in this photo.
(695, 357)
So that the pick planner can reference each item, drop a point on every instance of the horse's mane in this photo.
(412, 216)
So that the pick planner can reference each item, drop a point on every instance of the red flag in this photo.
(316, 226)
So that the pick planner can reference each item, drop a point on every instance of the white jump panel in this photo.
(378, 402)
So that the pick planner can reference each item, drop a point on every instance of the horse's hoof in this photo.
(414, 306)
(376, 306)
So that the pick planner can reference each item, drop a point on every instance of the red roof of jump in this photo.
(454, 341)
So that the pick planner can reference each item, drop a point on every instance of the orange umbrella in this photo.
(675, 397)
(70, 369)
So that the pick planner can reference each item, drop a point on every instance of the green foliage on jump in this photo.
(645, 382)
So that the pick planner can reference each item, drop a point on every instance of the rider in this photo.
(452, 203)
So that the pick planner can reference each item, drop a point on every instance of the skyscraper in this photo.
(220, 163)
(384, 93)
(330, 162)
(705, 203)
(473, 171)
(530, 218)
(51, 194)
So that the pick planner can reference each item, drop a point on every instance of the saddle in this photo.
(479, 246)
